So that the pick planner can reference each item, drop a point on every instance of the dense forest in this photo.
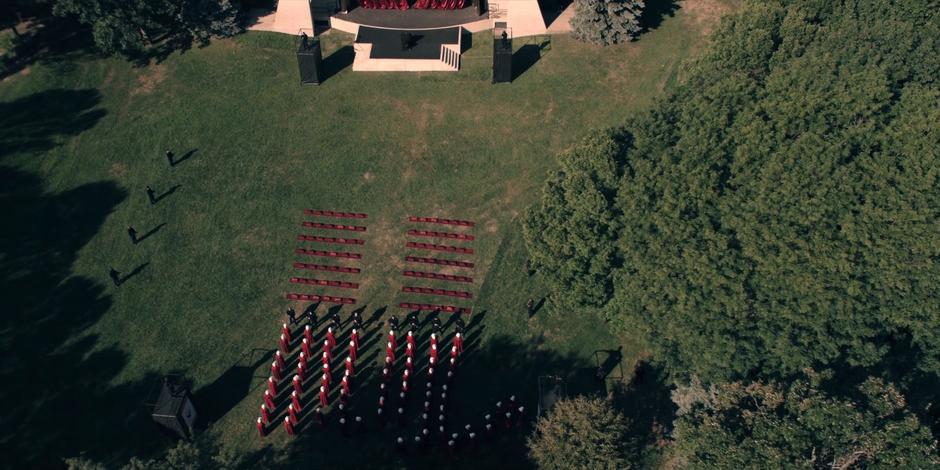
(772, 229)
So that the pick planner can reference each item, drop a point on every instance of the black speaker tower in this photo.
(310, 60)
(502, 54)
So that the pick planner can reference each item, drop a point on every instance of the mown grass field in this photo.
(81, 137)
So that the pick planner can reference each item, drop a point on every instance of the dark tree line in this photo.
(133, 27)
(777, 213)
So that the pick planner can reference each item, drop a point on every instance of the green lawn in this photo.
(80, 138)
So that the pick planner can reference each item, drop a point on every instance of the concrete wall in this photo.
(291, 17)
(523, 16)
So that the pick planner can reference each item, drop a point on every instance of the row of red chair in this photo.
(447, 248)
(437, 220)
(340, 241)
(321, 282)
(346, 215)
(353, 228)
(442, 262)
(442, 308)
(430, 233)
(328, 254)
(323, 267)
(320, 298)
(439, 277)
(427, 291)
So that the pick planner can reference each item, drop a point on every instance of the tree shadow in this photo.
(647, 403)
(58, 376)
(655, 12)
(49, 39)
(337, 61)
(900, 367)
(35, 123)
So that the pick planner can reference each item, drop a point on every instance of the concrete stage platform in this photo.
(432, 50)
(425, 44)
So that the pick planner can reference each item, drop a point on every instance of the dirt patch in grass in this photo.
(705, 14)
(416, 147)
(256, 236)
(368, 176)
(491, 226)
(384, 244)
(108, 79)
(118, 170)
(148, 81)
(22, 73)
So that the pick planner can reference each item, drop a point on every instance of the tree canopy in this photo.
(779, 211)
(581, 432)
(761, 425)
(606, 22)
(131, 26)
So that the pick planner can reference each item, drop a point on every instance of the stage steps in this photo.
(451, 57)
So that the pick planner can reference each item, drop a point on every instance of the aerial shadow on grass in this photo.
(214, 400)
(57, 378)
(337, 61)
(466, 41)
(647, 403)
(490, 371)
(40, 121)
(655, 12)
(151, 232)
(49, 39)
(184, 157)
(134, 272)
(168, 193)
(526, 56)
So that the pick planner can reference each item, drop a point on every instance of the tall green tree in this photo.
(764, 425)
(131, 26)
(582, 432)
(781, 209)
(572, 232)
(606, 22)
(119, 26)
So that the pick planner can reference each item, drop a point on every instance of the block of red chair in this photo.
(324, 282)
(328, 254)
(433, 234)
(436, 276)
(448, 293)
(442, 308)
(338, 241)
(320, 298)
(352, 228)
(344, 215)
(322, 267)
(438, 220)
(447, 248)
(442, 262)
